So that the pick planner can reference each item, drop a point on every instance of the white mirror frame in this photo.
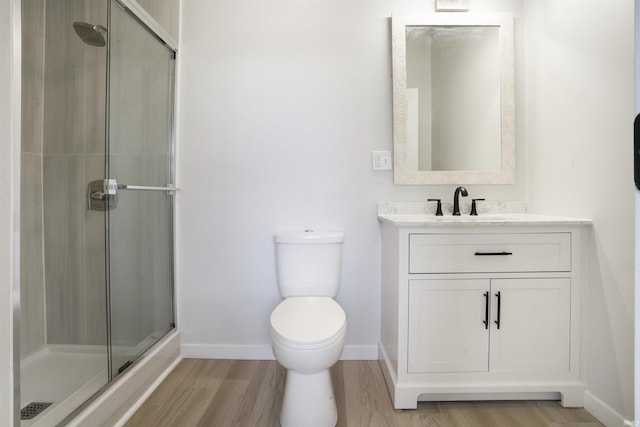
(401, 174)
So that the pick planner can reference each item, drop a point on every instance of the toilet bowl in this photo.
(307, 335)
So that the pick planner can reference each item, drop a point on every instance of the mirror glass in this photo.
(453, 100)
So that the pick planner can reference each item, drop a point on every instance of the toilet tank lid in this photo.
(309, 237)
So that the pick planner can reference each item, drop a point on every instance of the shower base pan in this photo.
(62, 375)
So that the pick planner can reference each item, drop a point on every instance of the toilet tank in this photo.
(309, 262)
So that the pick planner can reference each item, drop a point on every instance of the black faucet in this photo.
(456, 199)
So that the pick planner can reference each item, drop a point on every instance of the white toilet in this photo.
(308, 326)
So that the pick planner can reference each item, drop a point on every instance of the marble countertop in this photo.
(482, 219)
(489, 213)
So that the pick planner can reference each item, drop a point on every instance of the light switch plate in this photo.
(452, 5)
(381, 160)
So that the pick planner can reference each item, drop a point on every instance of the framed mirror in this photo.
(453, 99)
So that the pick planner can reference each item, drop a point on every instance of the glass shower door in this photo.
(140, 179)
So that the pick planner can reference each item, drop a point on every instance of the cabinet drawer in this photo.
(484, 253)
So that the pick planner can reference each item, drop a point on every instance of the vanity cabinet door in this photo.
(446, 329)
(534, 330)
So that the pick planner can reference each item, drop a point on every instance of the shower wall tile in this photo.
(141, 268)
(141, 301)
(95, 82)
(32, 75)
(162, 243)
(127, 278)
(74, 252)
(145, 169)
(165, 12)
(96, 11)
(135, 130)
(64, 204)
(95, 304)
(156, 300)
(65, 124)
(64, 79)
(75, 80)
(64, 95)
(144, 88)
(129, 249)
(139, 247)
(32, 291)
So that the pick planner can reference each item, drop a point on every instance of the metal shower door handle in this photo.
(169, 188)
(111, 187)
(102, 194)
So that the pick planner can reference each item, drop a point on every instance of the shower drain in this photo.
(33, 409)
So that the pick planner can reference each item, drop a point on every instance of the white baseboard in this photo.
(227, 351)
(264, 352)
(603, 412)
(360, 352)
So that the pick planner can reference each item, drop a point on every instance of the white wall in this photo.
(280, 106)
(9, 182)
(580, 104)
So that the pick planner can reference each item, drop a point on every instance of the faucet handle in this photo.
(474, 212)
(438, 207)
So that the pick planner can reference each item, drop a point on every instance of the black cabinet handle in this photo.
(486, 310)
(497, 321)
(503, 253)
(636, 151)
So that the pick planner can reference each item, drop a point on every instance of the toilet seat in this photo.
(308, 322)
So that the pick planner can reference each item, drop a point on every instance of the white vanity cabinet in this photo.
(481, 310)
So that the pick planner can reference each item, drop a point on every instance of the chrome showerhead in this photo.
(90, 34)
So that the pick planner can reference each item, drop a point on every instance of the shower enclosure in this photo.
(97, 200)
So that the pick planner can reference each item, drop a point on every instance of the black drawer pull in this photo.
(503, 253)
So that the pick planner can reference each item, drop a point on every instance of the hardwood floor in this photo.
(213, 393)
